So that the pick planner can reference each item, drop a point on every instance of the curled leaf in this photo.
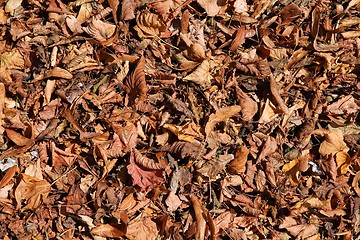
(136, 85)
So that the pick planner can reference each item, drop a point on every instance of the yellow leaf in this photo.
(288, 166)
(187, 132)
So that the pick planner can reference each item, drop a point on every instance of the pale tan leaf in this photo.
(58, 73)
(99, 30)
(201, 75)
(149, 25)
(333, 143)
(220, 116)
(240, 6)
(12, 59)
(12, 5)
(128, 9)
(142, 228)
(211, 7)
(49, 89)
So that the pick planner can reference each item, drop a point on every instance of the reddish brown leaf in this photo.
(144, 178)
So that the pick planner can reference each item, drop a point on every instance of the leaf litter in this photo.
(179, 119)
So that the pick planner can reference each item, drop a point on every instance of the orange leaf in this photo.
(106, 230)
(31, 189)
(8, 176)
(17, 138)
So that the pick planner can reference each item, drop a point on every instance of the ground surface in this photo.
(174, 119)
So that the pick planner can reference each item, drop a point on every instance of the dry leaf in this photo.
(146, 179)
(248, 106)
(128, 9)
(211, 7)
(17, 138)
(220, 116)
(31, 189)
(136, 85)
(142, 228)
(107, 230)
(12, 5)
(239, 162)
(187, 132)
(201, 75)
(149, 25)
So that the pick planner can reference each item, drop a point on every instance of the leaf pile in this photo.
(179, 119)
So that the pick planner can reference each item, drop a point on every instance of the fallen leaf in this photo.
(31, 189)
(144, 178)
(142, 228)
(220, 116)
(107, 230)
(211, 7)
(239, 162)
(201, 75)
(187, 132)
(136, 85)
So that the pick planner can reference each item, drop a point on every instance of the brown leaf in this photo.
(114, 7)
(107, 230)
(17, 138)
(99, 30)
(187, 132)
(128, 9)
(149, 25)
(268, 148)
(201, 75)
(146, 162)
(8, 176)
(200, 220)
(145, 179)
(31, 189)
(142, 228)
(356, 183)
(239, 163)
(136, 85)
(212, 7)
(248, 106)
(221, 115)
